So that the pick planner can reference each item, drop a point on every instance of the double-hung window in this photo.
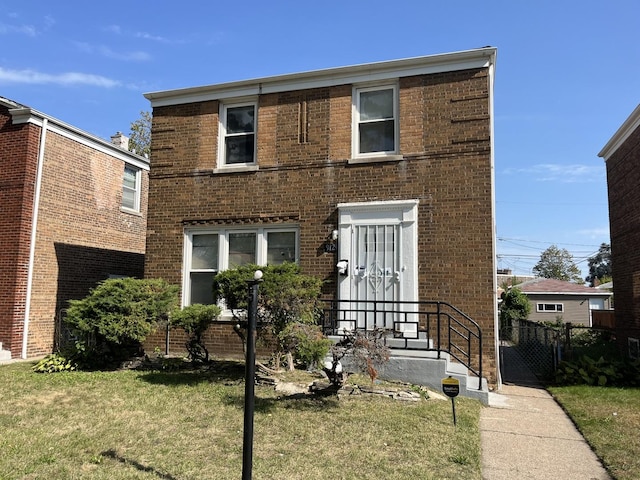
(209, 251)
(238, 134)
(131, 188)
(375, 127)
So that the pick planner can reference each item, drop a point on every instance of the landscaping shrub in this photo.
(286, 296)
(55, 362)
(308, 344)
(113, 320)
(195, 320)
(618, 372)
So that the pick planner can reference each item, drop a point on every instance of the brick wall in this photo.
(623, 178)
(82, 234)
(446, 164)
(18, 164)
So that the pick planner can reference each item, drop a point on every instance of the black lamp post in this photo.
(250, 373)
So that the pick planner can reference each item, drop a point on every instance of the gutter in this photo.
(34, 228)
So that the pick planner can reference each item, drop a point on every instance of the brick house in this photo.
(73, 214)
(377, 178)
(622, 160)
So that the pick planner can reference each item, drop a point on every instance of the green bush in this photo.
(195, 320)
(308, 344)
(620, 372)
(113, 320)
(54, 362)
(285, 296)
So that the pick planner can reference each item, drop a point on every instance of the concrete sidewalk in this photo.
(525, 434)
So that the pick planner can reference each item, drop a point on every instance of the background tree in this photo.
(140, 135)
(600, 265)
(557, 263)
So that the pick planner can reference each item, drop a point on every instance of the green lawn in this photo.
(609, 418)
(189, 425)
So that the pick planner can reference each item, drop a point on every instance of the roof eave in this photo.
(621, 135)
(578, 294)
(21, 115)
(477, 58)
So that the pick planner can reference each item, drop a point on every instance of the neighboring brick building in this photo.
(388, 166)
(622, 157)
(65, 223)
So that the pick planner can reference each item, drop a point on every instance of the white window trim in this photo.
(223, 249)
(137, 189)
(222, 135)
(540, 307)
(355, 124)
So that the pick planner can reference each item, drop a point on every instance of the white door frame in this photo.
(403, 213)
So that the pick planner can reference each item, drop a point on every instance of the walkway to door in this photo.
(525, 434)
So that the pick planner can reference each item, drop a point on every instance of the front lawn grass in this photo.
(189, 425)
(609, 419)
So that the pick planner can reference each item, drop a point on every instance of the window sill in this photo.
(375, 159)
(236, 169)
(129, 211)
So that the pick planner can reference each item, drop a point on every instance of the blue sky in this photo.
(568, 75)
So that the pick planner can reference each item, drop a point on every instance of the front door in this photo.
(378, 242)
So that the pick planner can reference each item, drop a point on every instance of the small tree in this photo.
(557, 263)
(114, 319)
(195, 320)
(286, 297)
(514, 306)
(366, 349)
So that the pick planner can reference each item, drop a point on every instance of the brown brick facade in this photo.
(304, 172)
(623, 179)
(82, 234)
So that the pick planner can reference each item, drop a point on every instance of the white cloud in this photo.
(155, 38)
(114, 29)
(549, 172)
(66, 79)
(28, 30)
(107, 52)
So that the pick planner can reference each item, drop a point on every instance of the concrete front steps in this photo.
(411, 362)
(4, 354)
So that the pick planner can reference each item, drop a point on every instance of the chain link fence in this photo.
(539, 346)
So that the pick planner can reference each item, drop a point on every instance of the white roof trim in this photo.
(577, 294)
(21, 115)
(621, 135)
(447, 62)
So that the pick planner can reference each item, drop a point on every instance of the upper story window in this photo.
(375, 129)
(131, 188)
(238, 134)
(209, 251)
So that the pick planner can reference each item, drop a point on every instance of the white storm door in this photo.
(378, 239)
(377, 274)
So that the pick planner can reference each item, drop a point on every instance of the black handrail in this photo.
(462, 332)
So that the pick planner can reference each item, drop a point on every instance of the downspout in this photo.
(32, 245)
(496, 321)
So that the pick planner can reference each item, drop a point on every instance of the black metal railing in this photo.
(422, 325)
